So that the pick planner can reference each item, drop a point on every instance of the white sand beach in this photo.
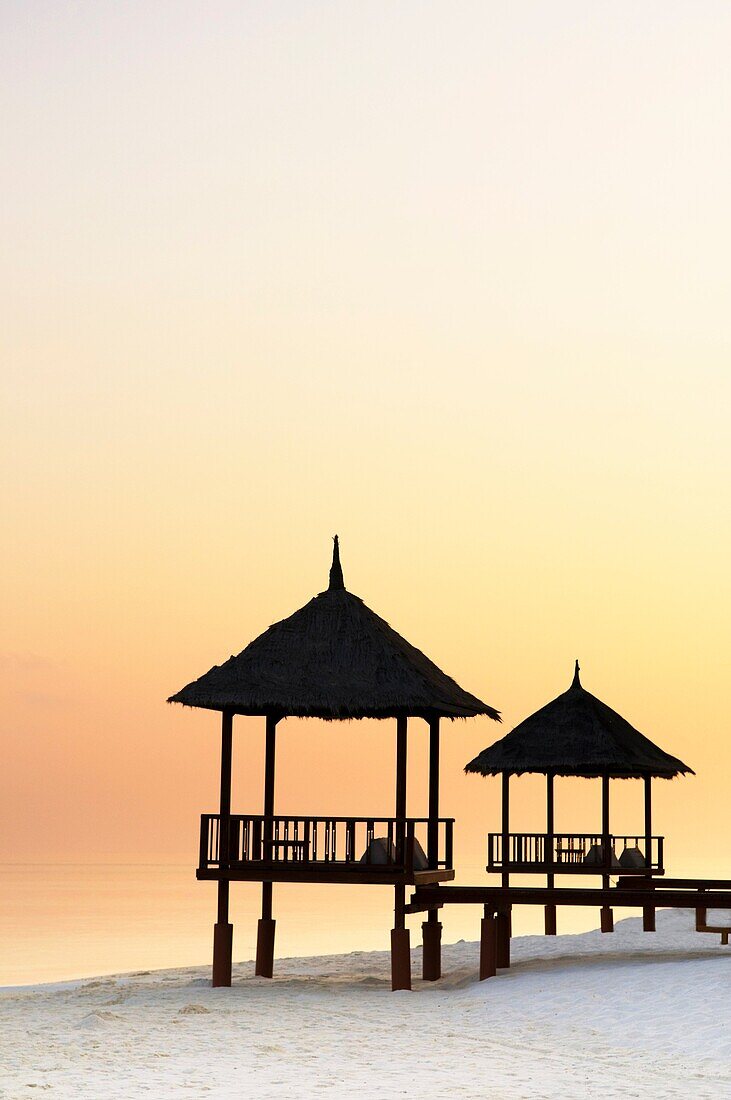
(591, 1015)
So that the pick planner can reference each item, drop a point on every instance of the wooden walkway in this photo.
(631, 893)
(666, 894)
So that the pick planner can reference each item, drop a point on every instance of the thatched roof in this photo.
(334, 658)
(577, 734)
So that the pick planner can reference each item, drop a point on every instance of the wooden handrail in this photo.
(284, 838)
(558, 852)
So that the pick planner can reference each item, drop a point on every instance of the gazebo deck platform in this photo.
(321, 871)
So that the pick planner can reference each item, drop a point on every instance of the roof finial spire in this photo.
(336, 571)
(576, 681)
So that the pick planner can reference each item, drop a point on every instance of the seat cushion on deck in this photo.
(380, 852)
(421, 863)
(595, 857)
(632, 859)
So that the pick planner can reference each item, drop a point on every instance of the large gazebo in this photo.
(334, 659)
(577, 735)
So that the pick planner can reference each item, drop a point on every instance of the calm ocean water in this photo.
(60, 921)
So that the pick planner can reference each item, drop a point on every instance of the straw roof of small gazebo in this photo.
(577, 734)
(332, 659)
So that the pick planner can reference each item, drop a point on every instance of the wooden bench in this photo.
(296, 848)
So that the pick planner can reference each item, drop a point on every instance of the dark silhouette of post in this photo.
(431, 929)
(505, 836)
(400, 941)
(607, 919)
(648, 911)
(433, 826)
(549, 912)
(267, 925)
(506, 862)
(502, 937)
(488, 945)
(223, 931)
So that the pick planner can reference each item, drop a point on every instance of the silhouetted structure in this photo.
(333, 659)
(576, 735)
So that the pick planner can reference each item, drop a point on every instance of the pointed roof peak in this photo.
(577, 734)
(334, 658)
(336, 571)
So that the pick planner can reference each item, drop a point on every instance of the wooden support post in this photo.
(269, 766)
(506, 826)
(431, 931)
(549, 913)
(400, 940)
(265, 943)
(401, 731)
(488, 945)
(502, 953)
(432, 840)
(607, 918)
(223, 930)
(400, 944)
(264, 967)
(648, 911)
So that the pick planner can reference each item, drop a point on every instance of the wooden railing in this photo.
(347, 841)
(564, 853)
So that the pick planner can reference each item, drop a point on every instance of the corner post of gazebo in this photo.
(400, 940)
(550, 908)
(488, 944)
(504, 921)
(505, 827)
(267, 925)
(431, 928)
(607, 918)
(648, 911)
(223, 930)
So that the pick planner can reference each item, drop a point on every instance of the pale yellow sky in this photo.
(449, 279)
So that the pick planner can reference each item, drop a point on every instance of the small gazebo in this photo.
(577, 735)
(334, 659)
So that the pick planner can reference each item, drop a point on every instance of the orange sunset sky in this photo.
(451, 280)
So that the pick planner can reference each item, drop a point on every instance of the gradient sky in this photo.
(451, 280)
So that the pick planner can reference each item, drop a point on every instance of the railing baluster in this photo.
(449, 844)
(409, 854)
